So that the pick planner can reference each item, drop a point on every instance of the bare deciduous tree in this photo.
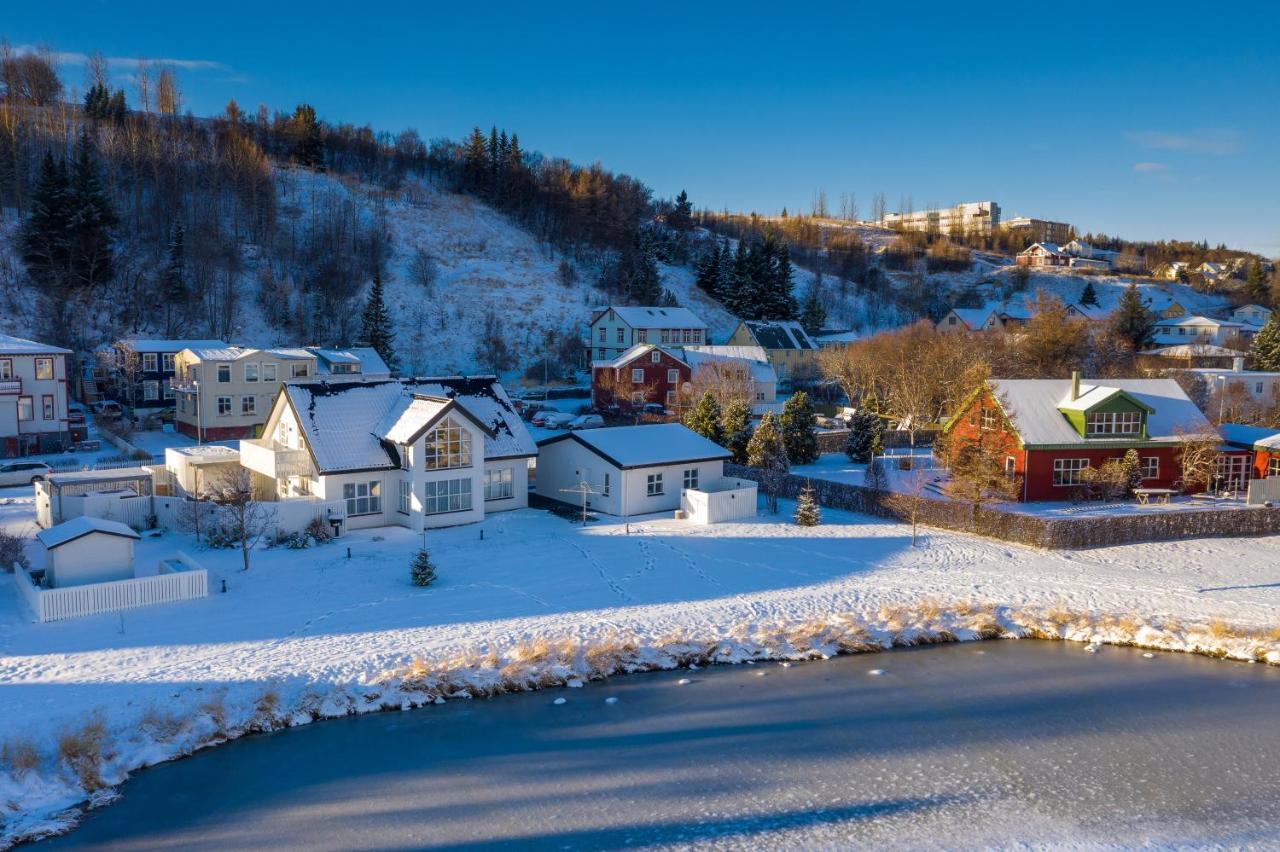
(245, 519)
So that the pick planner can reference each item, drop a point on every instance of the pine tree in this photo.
(376, 329)
(681, 216)
(767, 452)
(782, 300)
(1132, 471)
(421, 571)
(173, 281)
(704, 418)
(668, 300)
(708, 271)
(1255, 284)
(644, 284)
(799, 424)
(1088, 296)
(1132, 321)
(735, 426)
(813, 316)
(90, 219)
(45, 233)
(808, 512)
(475, 160)
(1265, 350)
(307, 139)
(97, 102)
(117, 109)
(863, 442)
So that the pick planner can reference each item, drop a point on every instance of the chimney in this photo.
(1075, 385)
(1237, 365)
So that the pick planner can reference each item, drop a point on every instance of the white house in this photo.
(1259, 385)
(33, 398)
(416, 453)
(1254, 315)
(731, 365)
(87, 550)
(970, 319)
(1081, 249)
(615, 329)
(1199, 329)
(356, 363)
(631, 470)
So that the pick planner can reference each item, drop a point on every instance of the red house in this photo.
(1049, 430)
(1263, 444)
(644, 373)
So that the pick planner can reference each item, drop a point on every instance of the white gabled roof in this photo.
(1199, 321)
(761, 371)
(403, 423)
(1032, 406)
(656, 317)
(10, 345)
(350, 426)
(634, 352)
(645, 446)
(56, 536)
(1186, 350)
(974, 318)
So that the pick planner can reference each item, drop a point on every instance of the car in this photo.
(23, 473)
(586, 421)
(108, 409)
(654, 408)
(553, 419)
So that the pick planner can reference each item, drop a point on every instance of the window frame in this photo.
(48, 407)
(248, 405)
(371, 496)
(150, 390)
(6, 369)
(223, 402)
(30, 407)
(1150, 467)
(690, 478)
(269, 372)
(404, 502)
(223, 370)
(299, 371)
(448, 440)
(1107, 424)
(255, 368)
(167, 362)
(431, 496)
(673, 377)
(653, 485)
(46, 374)
(150, 362)
(637, 375)
(1066, 472)
(499, 484)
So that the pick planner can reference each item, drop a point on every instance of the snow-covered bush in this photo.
(318, 530)
(864, 441)
(808, 513)
(421, 571)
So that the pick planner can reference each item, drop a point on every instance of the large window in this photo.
(224, 406)
(1112, 423)
(447, 495)
(149, 362)
(1067, 471)
(26, 409)
(250, 372)
(150, 391)
(653, 485)
(168, 362)
(673, 376)
(1151, 467)
(406, 496)
(299, 371)
(248, 405)
(691, 478)
(268, 372)
(448, 446)
(637, 376)
(363, 498)
(44, 369)
(499, 484)
(224, 374)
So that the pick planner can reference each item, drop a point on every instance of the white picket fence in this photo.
(180, 579)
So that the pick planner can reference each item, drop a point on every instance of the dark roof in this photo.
(780, 334)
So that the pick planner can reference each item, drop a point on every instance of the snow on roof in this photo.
(1051, 248)
(645, 446)
(747, 353)
(1092, 312)
(780, 334)
(403, 423)
(235, 353)
(138, 344)
(1032, 405)
(10, 345)
(1227, 372)
(656, 317)
(1199, 321)
(974, 318)
(347, 423)
(56, 536)
(206, 453)
(368, 359)
(1187, 350)
(761, 371)
(634, 352)
(838, 337)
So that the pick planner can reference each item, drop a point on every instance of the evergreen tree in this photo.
(1255, 285)
(767, 452)
(475, 160)
(1132, 321)
(117, 109)
(307, 139)
(668, 300)
(808, 512)
(90, 219)
(735, 426)
(799, 424)
(421, 571)
(704, 418)
(1088, 296)
(864, 441)
(173, 281)
(681, 216)
(781, 303)
(813, 316)
(1265, 350)
(376, 329)
(45, 233)
(708, 271)
(1132, 471)
(97, 102)
(644, 284)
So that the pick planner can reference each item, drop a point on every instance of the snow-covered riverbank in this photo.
(308, 634)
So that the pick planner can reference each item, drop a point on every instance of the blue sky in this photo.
(1147, 120)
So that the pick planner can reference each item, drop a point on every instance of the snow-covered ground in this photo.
(307, 634)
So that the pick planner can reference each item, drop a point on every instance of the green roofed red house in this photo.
(1049, 430)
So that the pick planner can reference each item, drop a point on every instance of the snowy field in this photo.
(307, 634)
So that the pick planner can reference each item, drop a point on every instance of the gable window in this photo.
(637, 376)
(655, 356)
(26, 409)
(1067, 471)
(673, 376)
(168, 362)
(448, 446)
(406, 496)
(46, 406)
(224, 373)
(299, 371)
(447, 495)
(499, 484)
(363, 498)
(149, 362)
(691, 479)
(653, 485)
(44, 369)
(250, 372)
(1112, 423)
(1150, 467)
(990, 421)
(224, 406)
(248, 405)
(151, 391)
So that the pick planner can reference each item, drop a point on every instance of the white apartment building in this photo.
(973, 217)
(615, 329)
(226, 392)
(33, 398)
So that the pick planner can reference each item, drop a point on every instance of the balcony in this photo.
(273, 460)
(10, 387)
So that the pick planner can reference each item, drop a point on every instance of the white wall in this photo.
(519, 485)
(93, 558)
(564, 464)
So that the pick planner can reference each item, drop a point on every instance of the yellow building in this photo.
(792, 353)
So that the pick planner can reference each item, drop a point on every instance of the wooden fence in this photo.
(180, 579)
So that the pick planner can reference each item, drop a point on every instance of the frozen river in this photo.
(985, 744)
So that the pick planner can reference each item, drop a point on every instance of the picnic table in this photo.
(1146, 496)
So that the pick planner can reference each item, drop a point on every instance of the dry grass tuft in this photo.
(21, 756)
(216, 709)
(160, 725)
(82, 750)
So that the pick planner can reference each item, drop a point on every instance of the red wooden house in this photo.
(643, 374)
(1261, 443)
(1049, 430)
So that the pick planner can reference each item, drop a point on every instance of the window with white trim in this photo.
(446, 495)
(268, 372)
(1273, 466)
(26, 408)
(1112, 423)
(1067, 471)
(224, 406)
(622, 336)
(499, 483)
(166, 388)
(44, 369)
(149, 362)
(6, 368)
(363, 498)
(168, 362)
(224, 374)
(248, 405)
(298, 371)
(150, 391)
(406, 496)
(47, 407)
(990, 421)
(642, 335)
(604, 492)
(691, 479)
(653, 485)
(673, 376)
(1150, 467)
(251, 372)
(671, 399)
(637, 376)
(447, 446)
(655, 357)
(603, 330)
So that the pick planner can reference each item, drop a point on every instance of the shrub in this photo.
(874, 478)
(421, 571)
(319, 530)
(82, 751)
(12, 549)
(20, 756)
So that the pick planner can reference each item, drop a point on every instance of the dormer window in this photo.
(1101, 423)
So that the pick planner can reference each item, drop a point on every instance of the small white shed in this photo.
(87, 550)
(631, 470)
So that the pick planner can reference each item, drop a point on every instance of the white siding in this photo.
(93, 558)
(564, 464)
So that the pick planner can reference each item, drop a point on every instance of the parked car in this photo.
(553, 419)
(108, 409)
(75, 413)
(23, 473)
(586, 421)
(654, 408)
